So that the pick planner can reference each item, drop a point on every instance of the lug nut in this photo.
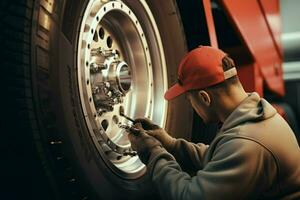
(101, 111)
(96, 51)
(95, 90)
(120, 99)
(108, 53)
(107, 84)
(95, 67)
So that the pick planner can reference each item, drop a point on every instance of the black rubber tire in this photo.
(48, 153)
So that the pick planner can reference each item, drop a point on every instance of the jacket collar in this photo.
(253, 108)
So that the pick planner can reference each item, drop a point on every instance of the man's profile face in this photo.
(200, 108)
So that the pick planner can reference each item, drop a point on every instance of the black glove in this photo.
(156, 131)
(142, 142)
(146, 123)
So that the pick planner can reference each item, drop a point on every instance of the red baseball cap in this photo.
(199, 69)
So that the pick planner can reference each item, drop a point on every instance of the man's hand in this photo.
(142, 142)
(159, 133)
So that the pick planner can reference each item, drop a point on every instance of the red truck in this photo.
(69, 67)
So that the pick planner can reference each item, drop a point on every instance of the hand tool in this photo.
(122, 113)
(129, 128)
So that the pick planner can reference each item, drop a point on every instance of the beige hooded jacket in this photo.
(255, 155)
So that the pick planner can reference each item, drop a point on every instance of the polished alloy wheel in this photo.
(121, 65)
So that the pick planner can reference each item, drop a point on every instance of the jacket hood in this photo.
(253, 108)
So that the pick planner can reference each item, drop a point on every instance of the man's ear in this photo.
(204, 96)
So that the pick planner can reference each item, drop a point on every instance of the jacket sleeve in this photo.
(239, 169)
(189, 155)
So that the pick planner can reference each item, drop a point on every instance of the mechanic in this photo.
(255, 154)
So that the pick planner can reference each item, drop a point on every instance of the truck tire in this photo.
(67, 67)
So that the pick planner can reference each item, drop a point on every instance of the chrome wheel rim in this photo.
(120, 62)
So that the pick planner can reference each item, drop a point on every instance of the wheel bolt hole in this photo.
(109, 42)
(104, 124)
(101, 33)
(115, 119)
(95, 37)
(119, 157)
(90, 99)
(87, 63)
(117, 52)
(88, 82)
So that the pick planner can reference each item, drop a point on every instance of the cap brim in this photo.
(174, 92)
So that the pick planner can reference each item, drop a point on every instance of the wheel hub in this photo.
(111, 80)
